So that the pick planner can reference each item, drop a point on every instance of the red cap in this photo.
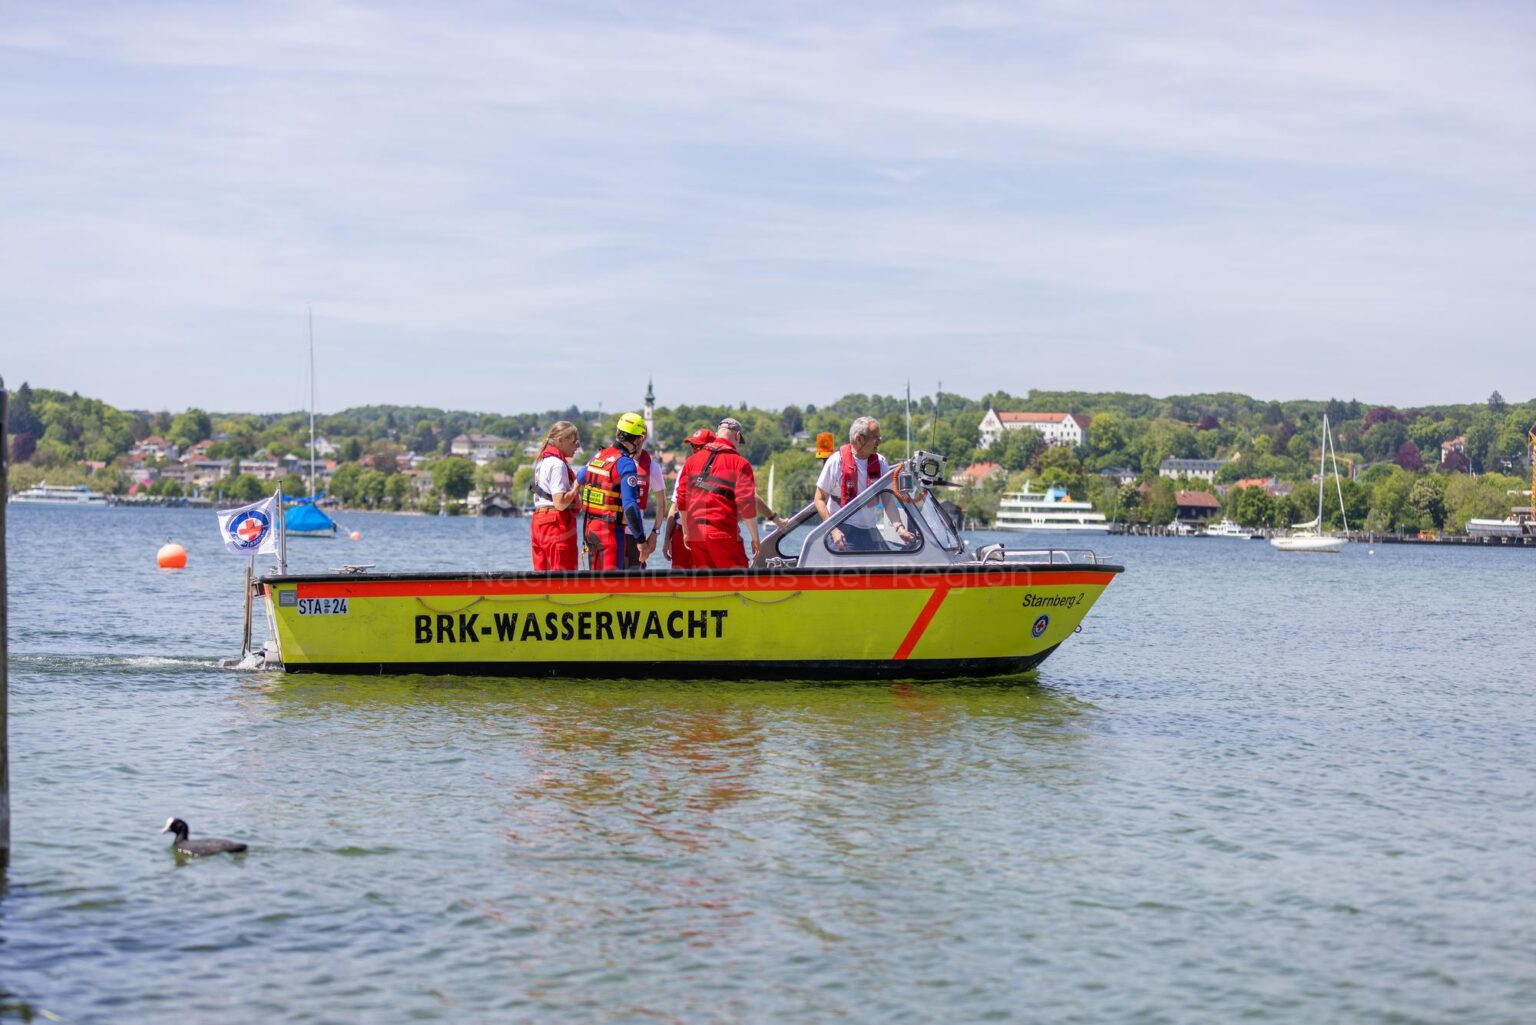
(701, 437)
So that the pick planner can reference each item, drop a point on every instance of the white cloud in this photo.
(470, 195)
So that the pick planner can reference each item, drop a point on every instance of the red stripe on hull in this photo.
(920, 624)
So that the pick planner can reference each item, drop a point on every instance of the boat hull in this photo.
(1324, 545)
(856, 624)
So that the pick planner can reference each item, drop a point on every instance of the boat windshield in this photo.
(897, 516)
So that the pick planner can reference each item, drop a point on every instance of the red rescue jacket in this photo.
(717, 488)
(851, 472)
(643, 464)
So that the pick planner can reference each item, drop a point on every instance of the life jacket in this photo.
(600, 495)
(712, 496)
(643, 463)
(549, 450)
(851, 472)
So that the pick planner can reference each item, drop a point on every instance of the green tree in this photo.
(453, 477)
(239, 487)
(1058, 465)
(397, 491)
(1160, 502)
(1480, 438)
(1015, 449)
(190, 427)
(370, 488)
(1484, 498)
(1427, 499)
(1251, 507)
(345, 481)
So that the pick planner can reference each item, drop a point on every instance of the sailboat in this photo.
(1309, 536)
(305, 518)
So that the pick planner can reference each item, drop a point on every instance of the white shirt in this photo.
(831, 481)
(658, 483)
(552, 475)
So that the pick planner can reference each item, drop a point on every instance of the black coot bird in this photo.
(202, 845)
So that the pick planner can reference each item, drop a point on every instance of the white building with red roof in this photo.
(1058, 428)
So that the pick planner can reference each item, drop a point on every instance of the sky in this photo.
(511, 207)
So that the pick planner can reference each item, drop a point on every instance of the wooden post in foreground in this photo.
(5, 631)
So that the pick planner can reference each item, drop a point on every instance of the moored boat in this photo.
(927, 607)
(1227, 528)
(306, 519)
(1309, 536)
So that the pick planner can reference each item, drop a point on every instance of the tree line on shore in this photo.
(1398, 479)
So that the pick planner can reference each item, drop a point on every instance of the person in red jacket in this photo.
(676, 546)
(612, 497)
(553, 531)
(716, 492)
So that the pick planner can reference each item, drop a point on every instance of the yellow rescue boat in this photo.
(915, 603)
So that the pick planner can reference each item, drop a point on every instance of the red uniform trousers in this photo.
(682, 555)
(713, 548)
(553, 535)
(609, 546)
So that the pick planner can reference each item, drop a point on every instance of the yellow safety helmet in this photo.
(632, 424)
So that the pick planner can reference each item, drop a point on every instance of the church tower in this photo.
(650, 409)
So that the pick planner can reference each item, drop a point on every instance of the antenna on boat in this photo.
(909, 417)
(311, 401)
(933, 421)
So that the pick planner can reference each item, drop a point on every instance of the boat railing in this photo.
(1039, 556)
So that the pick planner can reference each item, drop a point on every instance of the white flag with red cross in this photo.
(250, 529)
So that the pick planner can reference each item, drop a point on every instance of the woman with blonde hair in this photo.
(553, 533)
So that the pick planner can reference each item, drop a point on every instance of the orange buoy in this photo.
(356, 535)
(171, 556)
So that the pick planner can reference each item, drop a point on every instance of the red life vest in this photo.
(549, 450)
(712, 492)
(643, 463)
(851, 472)
(600, 495)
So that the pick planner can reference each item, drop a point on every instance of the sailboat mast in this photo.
(1338, 484)
(1323, 455)
(311, 402)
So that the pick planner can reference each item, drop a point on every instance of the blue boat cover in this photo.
(307, 516)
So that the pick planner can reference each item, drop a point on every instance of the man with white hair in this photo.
(846, 475)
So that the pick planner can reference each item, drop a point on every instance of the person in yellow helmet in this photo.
(614, 490)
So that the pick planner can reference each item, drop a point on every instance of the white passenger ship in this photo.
(61, 494)
(1054, 510)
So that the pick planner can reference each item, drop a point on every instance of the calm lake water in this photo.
(1258, 786)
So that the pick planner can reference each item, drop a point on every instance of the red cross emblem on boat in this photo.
(249, 529)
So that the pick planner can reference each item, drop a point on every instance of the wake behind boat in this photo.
(807, 608)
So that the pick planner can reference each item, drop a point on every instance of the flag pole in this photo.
(282, 535)
(5, 769)
(250, 573)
